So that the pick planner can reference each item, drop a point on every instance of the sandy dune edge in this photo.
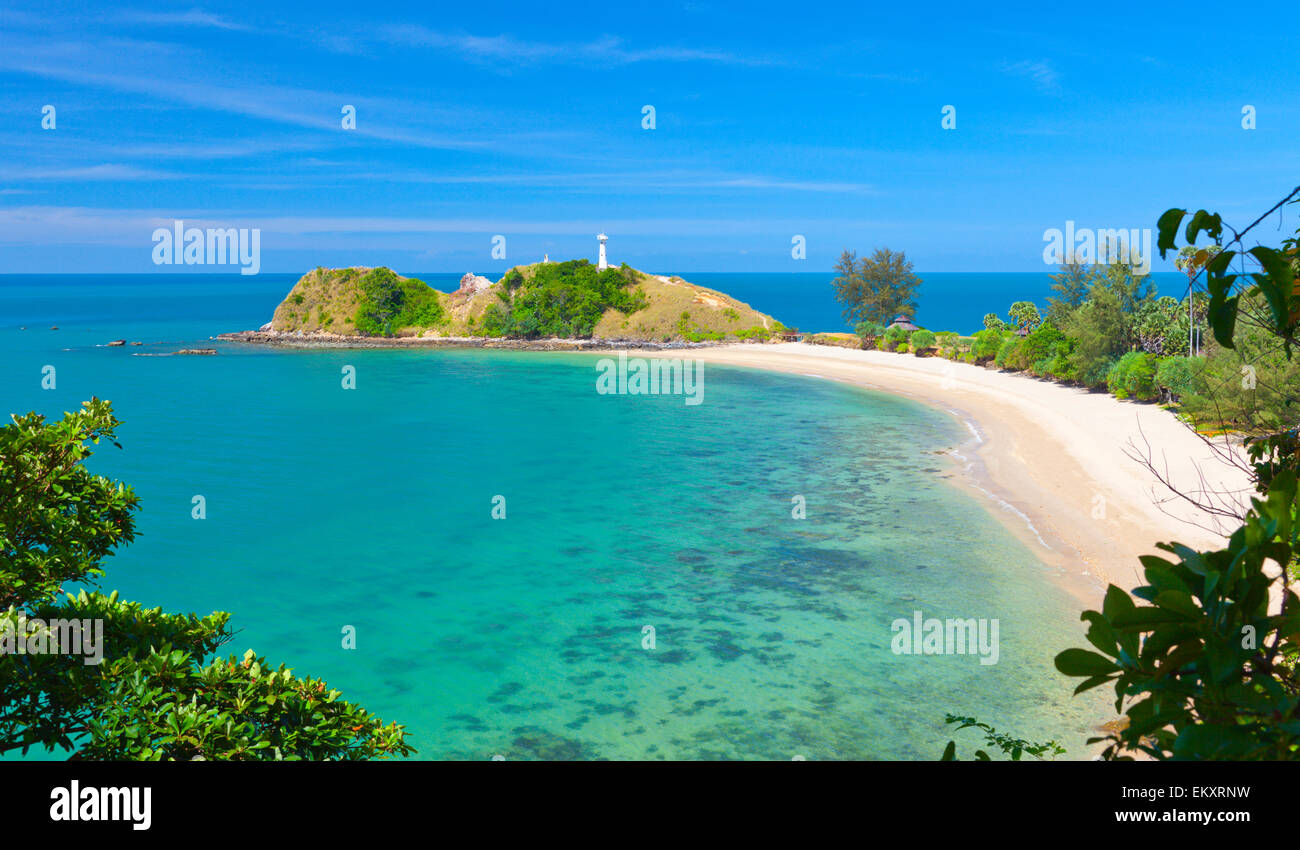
(1052, 462)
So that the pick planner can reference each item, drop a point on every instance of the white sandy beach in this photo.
(1052, 462)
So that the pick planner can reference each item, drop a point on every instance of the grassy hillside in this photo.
(676, 310)
(570, 299)
(360, 302)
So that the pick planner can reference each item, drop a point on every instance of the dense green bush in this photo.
(1039, 346)
(947, 342)
(1134, 376)
(894, 336)
(986, 344)
(389, 303)
(1180, 376)
(921, 339)
(1006, 351)
(1094, 373)
(1056, 366)
(869, 332)
(561, 299)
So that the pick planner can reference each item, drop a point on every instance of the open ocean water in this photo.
(523, 637)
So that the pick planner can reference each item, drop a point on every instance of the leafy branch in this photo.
(1010, 746)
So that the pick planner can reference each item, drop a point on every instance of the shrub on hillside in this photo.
(758, 332)
(389, 302)
(561, 299)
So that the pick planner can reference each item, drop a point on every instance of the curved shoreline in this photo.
(1050, 462)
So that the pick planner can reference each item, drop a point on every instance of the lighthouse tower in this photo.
(602, 263)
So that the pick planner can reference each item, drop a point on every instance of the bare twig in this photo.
(1226, 506)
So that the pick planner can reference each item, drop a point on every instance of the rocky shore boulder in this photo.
(472, 284)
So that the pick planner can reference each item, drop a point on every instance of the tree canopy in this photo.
(561, 299)
(875, 288)
(389, 302)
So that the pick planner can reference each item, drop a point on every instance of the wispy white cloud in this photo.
(105, 171)
(644, 181)
(191, 18)
(1041, 74)
(215, 150)
(794, 185)
(604, 50)
(75, 62)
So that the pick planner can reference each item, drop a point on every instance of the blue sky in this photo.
(525, 120)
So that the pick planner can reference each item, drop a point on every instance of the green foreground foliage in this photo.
(1203, 657)
(158, 691)
(1013, 748)
(1202, 661)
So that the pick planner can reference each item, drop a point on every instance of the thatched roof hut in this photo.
(904, 322)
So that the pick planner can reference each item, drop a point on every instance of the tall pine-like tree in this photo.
(875, 288)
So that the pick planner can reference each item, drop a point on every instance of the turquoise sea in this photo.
(523, 637)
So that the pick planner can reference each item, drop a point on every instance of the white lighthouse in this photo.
(602, 263)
